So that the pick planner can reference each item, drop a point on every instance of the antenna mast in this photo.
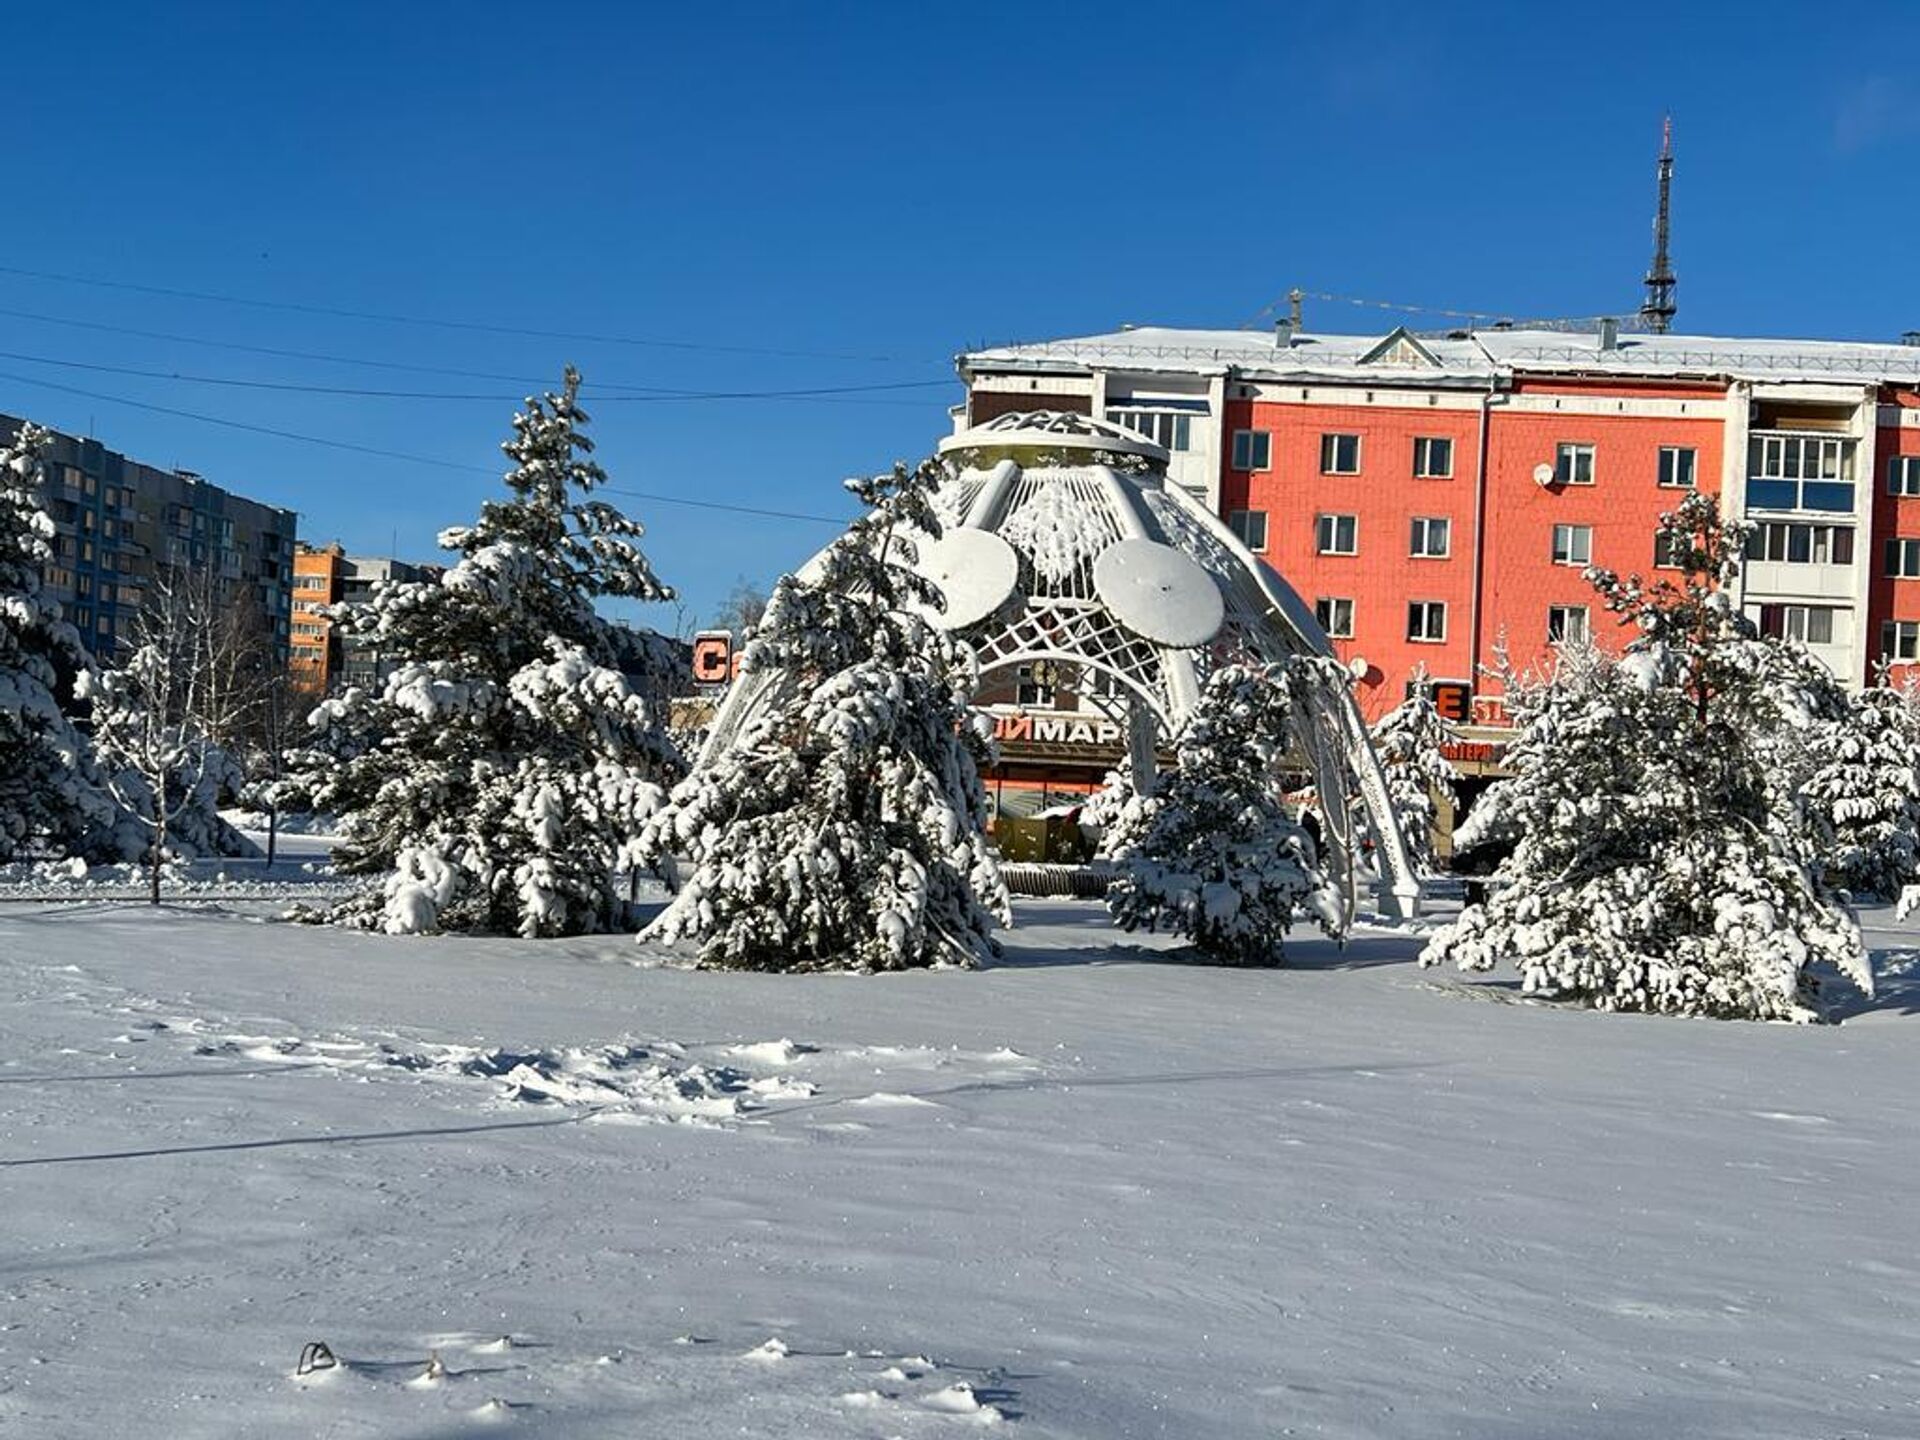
(1659, 307)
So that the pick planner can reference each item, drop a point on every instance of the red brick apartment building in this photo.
(1435, 499)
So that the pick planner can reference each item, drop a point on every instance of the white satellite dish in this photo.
(975, 572)
(1358, 667)
(1543, 473)
(1156, 591)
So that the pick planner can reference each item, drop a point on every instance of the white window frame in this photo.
(1903, 475)
(1800, 622)
(1242, 523)
(1563, 553)
(1326, 534)
(1774, 541)
(1420, 614)
(1252, 450)
(1420, 542)
(1574, 624)
(1172, 430)
(1574, 462)
(1330, 453)
(1665, 476)
(1900, 641)
(1903, 558)
(1423, 467)
(1335, 614)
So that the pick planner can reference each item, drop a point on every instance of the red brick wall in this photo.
(1384, 497)
(1894, 517)
(1622, 507)
(1520, 579)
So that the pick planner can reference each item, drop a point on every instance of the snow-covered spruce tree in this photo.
(1656, 867)
(51, 801)
(495, 781)
(1212, 854)
(1409, 740)
(845, 827)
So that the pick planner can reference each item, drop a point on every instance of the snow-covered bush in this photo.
(495, 781)
(1106, 805)
(1212, 854)
(1658, 864)
(845, 827)
(1408, 740)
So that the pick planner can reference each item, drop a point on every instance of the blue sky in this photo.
(829, 195)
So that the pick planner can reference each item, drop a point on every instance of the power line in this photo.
(662, 395)
(598, 389)
(402, 455)
(466, 325)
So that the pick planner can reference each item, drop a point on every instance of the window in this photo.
(1430, 537)
(1432, 458)
(1809, 624)
(1249, 527)
(1784, 542)
(1171, 429)
(311, 582)
(1572, 544)
(1903, 475)
(1336, 534)
(1799, 472)
(1335, 616)
(1033, 685)
(1900, 640)
(1252, 449)
(1427, 621)
(1339, 454)
(1668, 552)
(1903, 559)
(1676, 467)
(1567, 623)
(1573, 463)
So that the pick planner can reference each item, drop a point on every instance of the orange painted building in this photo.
(318, 575)
(1437, 499)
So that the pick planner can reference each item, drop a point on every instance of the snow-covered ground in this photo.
(1089, 1192)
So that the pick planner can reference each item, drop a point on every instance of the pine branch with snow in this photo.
(1212, 854)
(845, 827)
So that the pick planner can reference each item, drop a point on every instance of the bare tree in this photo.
(169, 726)
(742, 610)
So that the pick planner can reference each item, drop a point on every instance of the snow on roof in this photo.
(1216, 352)
(1475, 358)
(1733, 356)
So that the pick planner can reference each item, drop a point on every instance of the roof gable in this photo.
(1401, 348)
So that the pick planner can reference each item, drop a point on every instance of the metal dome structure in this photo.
(1065, 542)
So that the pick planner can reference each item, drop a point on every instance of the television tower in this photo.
(1659, 307)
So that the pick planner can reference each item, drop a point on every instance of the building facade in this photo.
(118, 521)
(1437, 499)
(323, 660)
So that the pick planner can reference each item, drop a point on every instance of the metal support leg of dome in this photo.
(1143, 729)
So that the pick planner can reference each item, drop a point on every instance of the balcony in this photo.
(1791, 471)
